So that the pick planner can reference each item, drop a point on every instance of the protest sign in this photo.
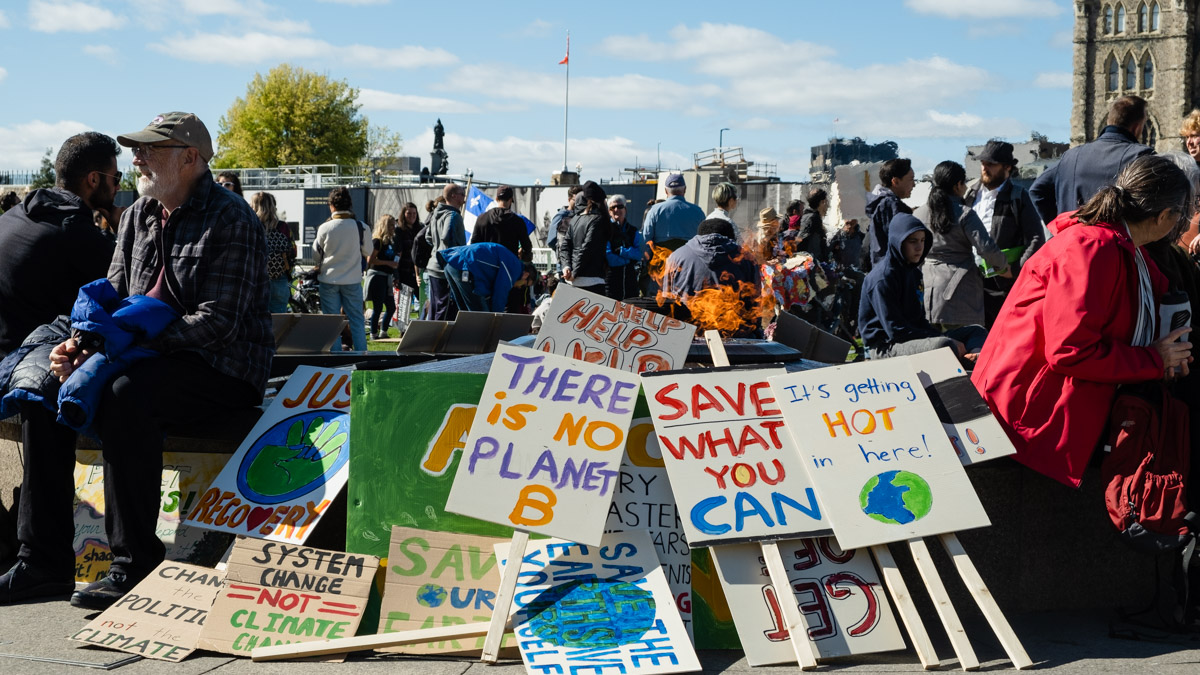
(277, 593)
(439, 579)
(839, 594)
(581, 608)
(290, 467)
(735, 471)
(880, 462)
(644, 502)
(973, 431)
(185, 475)
(546, 454)
(600, 330)
(161, 618)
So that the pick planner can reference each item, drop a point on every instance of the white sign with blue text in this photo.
(969, 423)
(734, 470)
(880, 462)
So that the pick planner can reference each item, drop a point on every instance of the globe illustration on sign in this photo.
(896, 497)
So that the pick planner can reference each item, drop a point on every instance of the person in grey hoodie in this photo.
(446, 230)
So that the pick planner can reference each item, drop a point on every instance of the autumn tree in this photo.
(383, 147)
(292, 116)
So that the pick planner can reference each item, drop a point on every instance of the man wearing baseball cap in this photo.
(199, 248)
(672, 222)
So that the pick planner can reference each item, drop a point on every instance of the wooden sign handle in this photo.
(941, 602)
(368, 642)
(793, 618)
(504, 597)
(903, 601)
(716, 348)
(987, 604)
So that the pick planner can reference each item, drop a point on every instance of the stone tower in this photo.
(1143, 47)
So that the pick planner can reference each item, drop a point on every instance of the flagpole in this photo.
(566, 100)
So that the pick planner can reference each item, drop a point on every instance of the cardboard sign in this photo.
(596, 329)
(839, 593)
(290, 467)
(591, 609)
(973, 431)
(185, 475)
(161, 618)
(735, 471)
(545, 450)
(644, 502)
(277, 593)
(439, 579)
(880, 462)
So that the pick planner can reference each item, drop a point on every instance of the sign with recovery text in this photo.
(545, 448)
(735, 472)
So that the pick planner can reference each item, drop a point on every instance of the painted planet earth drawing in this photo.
(896, 497)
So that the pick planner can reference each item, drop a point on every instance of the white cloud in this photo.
(255, 47)
(755, 124)
(3, 74)
(4, 20)
(624, 92)
(536, 28)
(103, 52)
(76, 17)
(986, 9)
(373, 99)
(23, 145)
(1053, 81)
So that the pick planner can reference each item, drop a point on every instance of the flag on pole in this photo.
(477, 203)
(568, 55)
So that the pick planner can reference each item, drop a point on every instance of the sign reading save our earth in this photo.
(882, 468)
(544, 451)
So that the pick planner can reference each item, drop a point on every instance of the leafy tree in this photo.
(383, 147)
(292, 116)
(44, 177)
(129, 178)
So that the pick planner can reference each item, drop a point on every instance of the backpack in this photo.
(422, 250)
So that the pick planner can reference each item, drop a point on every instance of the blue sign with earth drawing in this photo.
(872, 443)
(606, 608)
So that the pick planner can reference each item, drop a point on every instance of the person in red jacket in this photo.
(1081, 320)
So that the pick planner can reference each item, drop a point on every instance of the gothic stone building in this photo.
(1143, 47)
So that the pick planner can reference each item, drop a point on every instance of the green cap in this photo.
(174, 126)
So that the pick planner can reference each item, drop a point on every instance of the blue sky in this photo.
(932, 75)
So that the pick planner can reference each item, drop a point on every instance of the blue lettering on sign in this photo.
(590, 613)
(746, 506)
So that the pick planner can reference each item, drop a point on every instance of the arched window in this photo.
(1149, 133)
(1154, 16)
(1120, 19)
(1143, 22)
(1131, 73)
(1114, 74)
(1147, 72)
(1108, 20)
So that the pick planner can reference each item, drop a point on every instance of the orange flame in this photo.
(726, 309)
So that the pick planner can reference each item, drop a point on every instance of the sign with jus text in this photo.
(277, 593)
(161, 618)
(544, 451)
(734, 470)
(973, 431)
(838, 592)
(879, 459)
(596, 329)
(291, 465)
(596, 609)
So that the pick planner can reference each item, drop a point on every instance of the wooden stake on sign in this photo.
(806, 653)
(504, 597)
(367, 642)
(903, 602)
(987, 603)
(941, 602)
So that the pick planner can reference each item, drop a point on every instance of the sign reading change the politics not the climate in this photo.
(734, 470)
(596, 329)
(544, 451)
(290, 467)
(881, 464)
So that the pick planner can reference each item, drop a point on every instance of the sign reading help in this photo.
(734, 470)
(275, 594)
(596, 329)
(595, 609)
(839, 593)
(161, 618)
(290, 467)
(973, 431)
(879, 459)
(545, 448)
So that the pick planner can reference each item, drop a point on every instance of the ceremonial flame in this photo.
(726, 309)
(657, 269)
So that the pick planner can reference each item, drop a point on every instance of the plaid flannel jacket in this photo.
(217, 255)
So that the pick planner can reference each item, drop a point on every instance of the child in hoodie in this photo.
(891, 315)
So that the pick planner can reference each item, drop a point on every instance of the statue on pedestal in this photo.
(439, 160)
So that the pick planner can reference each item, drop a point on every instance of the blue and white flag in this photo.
(477, 203)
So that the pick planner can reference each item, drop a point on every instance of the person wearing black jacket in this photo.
(584, 247)
(896, 181)
(500, 225)
(812, 227)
